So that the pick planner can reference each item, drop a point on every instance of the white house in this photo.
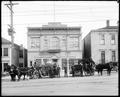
(102, 44)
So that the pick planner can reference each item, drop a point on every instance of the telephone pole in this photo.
(11, 29)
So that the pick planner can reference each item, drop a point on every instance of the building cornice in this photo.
(60, 51)
(105, 30)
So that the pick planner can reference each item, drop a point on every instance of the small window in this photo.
(113, 39)
(102, 40)
(21, 53)
(5, 51)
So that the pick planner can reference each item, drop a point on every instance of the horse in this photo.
(23, 71)
(12, 70)
(107, 66)
(18, 71)
(115, 66)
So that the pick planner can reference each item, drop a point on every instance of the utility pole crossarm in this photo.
(11, 4)
(10, 9)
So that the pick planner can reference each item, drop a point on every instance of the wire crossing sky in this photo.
(88, 15)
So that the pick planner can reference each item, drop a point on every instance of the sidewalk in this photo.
(5, 78)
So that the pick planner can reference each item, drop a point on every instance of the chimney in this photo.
(107, 23)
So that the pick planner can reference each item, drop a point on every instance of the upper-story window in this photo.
(102, 39)
(112, 38)
(73, 43)
(35, 42)
(63, 43)
(21, 53)
(5, 52)
(55, 43)
(45, 43)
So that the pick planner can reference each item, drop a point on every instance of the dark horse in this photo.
(22, 71)
(108, 66)
(17, 71)
(115, 66)
(12, 72)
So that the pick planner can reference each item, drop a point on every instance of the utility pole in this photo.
(54, 10)
(67, 54)
(11, 29)
(118, 35)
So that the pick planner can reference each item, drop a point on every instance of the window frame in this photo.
(35, 42)
(5, 52)
(113, 55)
(102, 39)
(102, 59)
(112, 39)
(55, 43)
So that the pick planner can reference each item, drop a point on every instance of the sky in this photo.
(88, 15)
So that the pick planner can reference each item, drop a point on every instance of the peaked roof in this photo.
(5, 41)
(107, 28)
(110, 27)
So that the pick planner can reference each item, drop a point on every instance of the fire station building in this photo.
(54, 42)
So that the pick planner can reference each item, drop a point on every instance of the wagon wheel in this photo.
(35, 75)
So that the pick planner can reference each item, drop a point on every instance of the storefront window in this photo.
(38, 62)
(45, 61)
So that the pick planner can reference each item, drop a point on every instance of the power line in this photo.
(70, 13)
(32, 11)
(67, 22)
